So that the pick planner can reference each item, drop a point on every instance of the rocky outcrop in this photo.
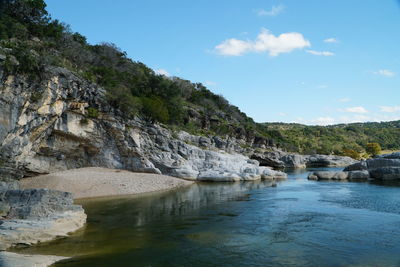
(37, 215)
(8, 259)
(46, 127)
(280, 159)
(340, 175)
(385, 167)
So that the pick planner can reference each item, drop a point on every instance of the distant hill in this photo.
(31, 42)
(335, 138)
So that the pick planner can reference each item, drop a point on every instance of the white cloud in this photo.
(359, 110)
(327, 120)
(320, 53)
(355, 118)
(283, 114)
(323, 121)
(331, 40)
(322, 86)
(265, 42)
(162, 72)
(344, 100)
(210, 83)
(233, 47)
(275, 10)
(389, 109)
(387, 73)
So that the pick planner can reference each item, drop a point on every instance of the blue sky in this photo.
(310, 61)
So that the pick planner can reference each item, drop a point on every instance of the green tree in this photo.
(373, 149)
(351, 153)
(154, 110)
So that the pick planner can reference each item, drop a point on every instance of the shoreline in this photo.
(94, 182)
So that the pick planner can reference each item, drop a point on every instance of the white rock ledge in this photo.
(32, 231)
(8, 259)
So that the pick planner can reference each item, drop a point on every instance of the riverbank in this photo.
(102, 182)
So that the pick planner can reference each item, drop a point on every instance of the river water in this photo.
(289, 223)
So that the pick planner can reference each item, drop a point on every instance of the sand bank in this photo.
(100, 182)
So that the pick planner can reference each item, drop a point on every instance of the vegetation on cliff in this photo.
(31, 41)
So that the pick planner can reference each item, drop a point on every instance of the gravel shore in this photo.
(101, 182)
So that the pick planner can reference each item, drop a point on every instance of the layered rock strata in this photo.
(36, 215)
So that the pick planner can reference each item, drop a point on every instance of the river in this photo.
(288, 223)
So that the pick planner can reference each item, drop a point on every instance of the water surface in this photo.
(291, 223)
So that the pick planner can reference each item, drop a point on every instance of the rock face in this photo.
(37, 215)
(384, 167)
(340, 175)
(8, 259)
(279, 159)
(46, 127)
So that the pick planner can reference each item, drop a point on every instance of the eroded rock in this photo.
(37, 215)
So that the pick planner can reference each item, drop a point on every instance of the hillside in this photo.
(335, 138)
(32, 43)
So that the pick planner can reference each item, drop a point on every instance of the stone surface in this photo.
(8, 259)
(359, 166)
(358, 175)
(383, 167)
(37, 215)
(279, 159)
(385, 173)
(383, 163)
(328, 175)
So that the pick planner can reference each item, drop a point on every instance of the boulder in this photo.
(280, 159)
(37, 215)
(358, 175)
(328, 175)
(380, 168)
(383, 163)
(328, 161)
(359, 166)
(385, 173)
(294, 161)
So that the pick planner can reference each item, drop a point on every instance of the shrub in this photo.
(92, 113)
(373, 149)
(155, 110)
(352, 154)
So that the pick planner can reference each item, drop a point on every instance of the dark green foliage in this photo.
(352, 154)
(155, 110)
(92, 113)
(373, 149)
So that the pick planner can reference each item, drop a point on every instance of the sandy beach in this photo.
(101, 182)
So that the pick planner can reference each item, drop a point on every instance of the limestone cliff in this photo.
(63, 121)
